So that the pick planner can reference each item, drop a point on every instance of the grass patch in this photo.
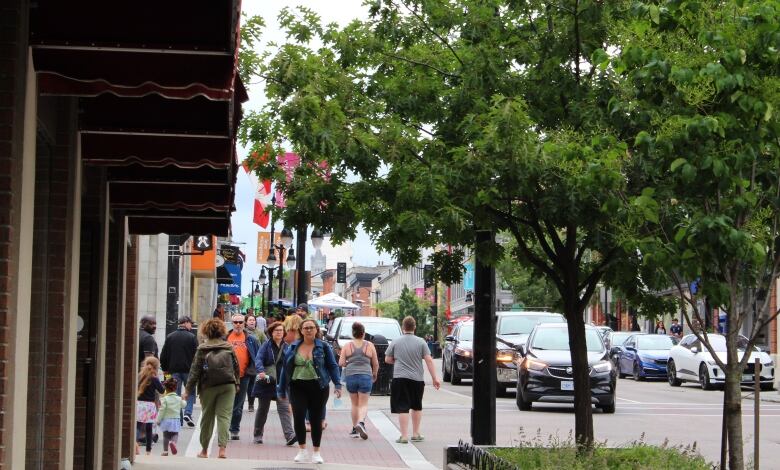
(553, 453)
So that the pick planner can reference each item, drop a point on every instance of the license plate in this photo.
(747, 378)
(567, 385)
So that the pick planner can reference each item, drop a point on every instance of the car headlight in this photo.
(711, 362)
(505, 355)
(771, 363)
(462, 352)
(602, 367)
(532, 364)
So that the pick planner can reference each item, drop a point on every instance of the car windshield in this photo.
(524, 324)
(617, 339)
(466, 332)
(557, 339)
(648, 342)
(719, 343)
(389, 330)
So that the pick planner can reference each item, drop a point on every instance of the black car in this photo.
(544, 373)
(456, 361)
(512, 330)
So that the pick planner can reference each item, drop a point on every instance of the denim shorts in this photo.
(360, 383)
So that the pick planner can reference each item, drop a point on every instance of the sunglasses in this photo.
(238, 323)
(309, 328)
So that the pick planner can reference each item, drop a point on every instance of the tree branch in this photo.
(430, 30)
(422, 64)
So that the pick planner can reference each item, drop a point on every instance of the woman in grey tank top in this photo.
(361, 366)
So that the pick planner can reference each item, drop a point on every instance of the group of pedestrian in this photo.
(284, 361)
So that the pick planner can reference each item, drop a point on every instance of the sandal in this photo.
(417, 438)
(401, 440)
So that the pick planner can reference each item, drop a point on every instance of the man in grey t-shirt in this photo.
(407, 354)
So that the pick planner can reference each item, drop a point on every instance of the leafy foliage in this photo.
(409, 305)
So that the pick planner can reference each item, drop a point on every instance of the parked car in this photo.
(458, 352)
(604, 331)
(342, 330)
(545, 374)
(615, 342)
(691, 361)
(645, 356)
(512, 330)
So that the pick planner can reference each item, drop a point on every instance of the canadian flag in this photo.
(262, 197)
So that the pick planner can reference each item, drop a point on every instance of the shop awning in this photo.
(159, 103)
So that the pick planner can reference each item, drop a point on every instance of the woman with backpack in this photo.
(215, 372)
(309, 367)
(268, 362)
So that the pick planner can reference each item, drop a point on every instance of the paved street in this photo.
(652, 411)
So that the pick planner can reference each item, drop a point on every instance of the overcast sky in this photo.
(244, 230)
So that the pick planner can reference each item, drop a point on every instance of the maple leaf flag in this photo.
(262, 198)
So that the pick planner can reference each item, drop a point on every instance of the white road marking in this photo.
(626, 399)
(692, 415)
(193, 448)
(408, 452)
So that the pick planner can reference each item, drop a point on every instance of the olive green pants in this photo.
(216, 402)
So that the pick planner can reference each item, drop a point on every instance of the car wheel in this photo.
(610, 409)
(454, 374)
(620, 373)
(637, 373)
(767, 387)
(500, 390)
(445, 376)
(671, 374)
(522, 404)
(704, 377)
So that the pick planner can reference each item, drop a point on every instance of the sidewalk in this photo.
(378, 452)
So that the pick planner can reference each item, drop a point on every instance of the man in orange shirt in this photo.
(245, 346)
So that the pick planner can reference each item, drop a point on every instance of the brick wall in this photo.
(114, 327)
(46, 406)
(13, 53)
(131, 350)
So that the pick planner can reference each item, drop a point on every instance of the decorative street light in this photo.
(286, 239)
(258, 288)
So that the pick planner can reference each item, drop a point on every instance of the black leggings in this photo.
(307, 396)
(144, 431)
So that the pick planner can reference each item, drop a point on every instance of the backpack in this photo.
(218, 368)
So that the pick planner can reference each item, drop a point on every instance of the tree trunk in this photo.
(583, 411)
(733, 409)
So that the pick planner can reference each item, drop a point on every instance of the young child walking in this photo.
(169, 417)
(146, 410)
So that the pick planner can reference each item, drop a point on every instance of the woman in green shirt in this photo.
(309, 367)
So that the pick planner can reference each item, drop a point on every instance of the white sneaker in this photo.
(302, 456)
(316, 458)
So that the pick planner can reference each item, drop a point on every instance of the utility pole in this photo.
(271, 271)
(483, 407)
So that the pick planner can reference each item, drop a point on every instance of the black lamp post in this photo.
(286, 239)
(258, 287)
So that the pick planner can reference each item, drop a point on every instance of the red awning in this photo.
(159, 102)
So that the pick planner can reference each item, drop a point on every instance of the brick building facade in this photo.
(114, 123)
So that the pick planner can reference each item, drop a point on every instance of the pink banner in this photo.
(419, 292)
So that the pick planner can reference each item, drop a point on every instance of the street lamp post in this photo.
(286, 241)
(258, 287)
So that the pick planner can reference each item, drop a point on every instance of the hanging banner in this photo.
(468, 276)
(264, 246)
(234, 287)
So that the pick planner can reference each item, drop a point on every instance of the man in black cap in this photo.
(302, 311)
(176, 359)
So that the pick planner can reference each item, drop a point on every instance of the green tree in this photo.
(702, 86)
(410, 305)
(529, 286)
(438, 119)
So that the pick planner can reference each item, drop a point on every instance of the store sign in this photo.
(203, 242)
(230, 253)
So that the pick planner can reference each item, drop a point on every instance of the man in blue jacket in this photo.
(245, 346)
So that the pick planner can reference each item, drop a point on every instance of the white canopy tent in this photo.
(332, 301)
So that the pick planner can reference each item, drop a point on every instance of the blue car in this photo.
(645, 356)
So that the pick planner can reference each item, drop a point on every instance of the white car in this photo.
(690, 361)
